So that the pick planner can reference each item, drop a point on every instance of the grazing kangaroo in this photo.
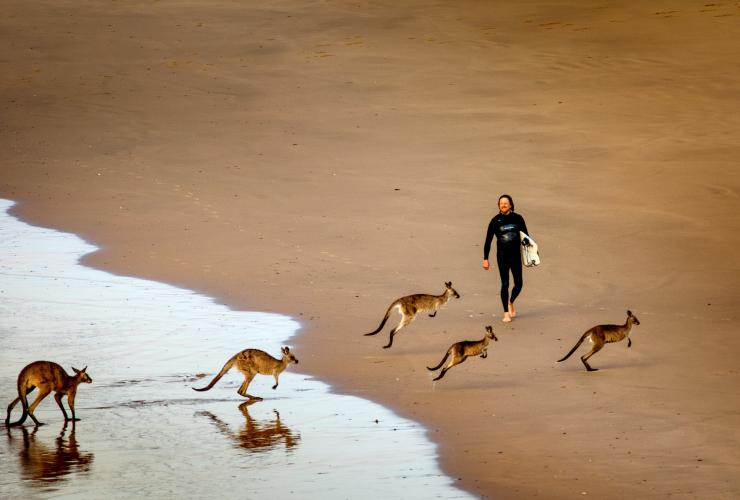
(460, 351)
(47, 376)
(250, 362)
(601, 335)
(411, 305)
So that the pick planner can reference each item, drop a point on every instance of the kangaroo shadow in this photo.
(41, 464)
(256, 436)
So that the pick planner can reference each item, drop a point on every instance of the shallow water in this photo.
(143, 431)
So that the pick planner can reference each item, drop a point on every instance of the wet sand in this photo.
(143, 431)
(321, 160)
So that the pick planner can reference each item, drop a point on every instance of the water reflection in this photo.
(41, 464)
(256, 435)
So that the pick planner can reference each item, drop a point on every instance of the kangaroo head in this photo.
(289, 355)
(82, 376)
(634, 318)
(490, 334)
(451, 291)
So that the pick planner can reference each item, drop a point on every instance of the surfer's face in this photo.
(504, 206)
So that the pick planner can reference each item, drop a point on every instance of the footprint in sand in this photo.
(667, 13)
(175, 63)
(558, 24)
(356, 40)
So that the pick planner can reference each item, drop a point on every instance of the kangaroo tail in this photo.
(223, 371)
(20, 420)
(24, 405)
(385, 319)
(23, 418)
(578, 344)
(447, 355)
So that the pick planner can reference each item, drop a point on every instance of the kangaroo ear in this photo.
(285, 350)
(489, 329)
(448, 284)
(84, 369)
(629, 313)
(75, 370)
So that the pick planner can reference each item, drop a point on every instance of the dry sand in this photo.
(320, 159)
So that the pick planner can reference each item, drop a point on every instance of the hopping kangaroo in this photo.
(411, 305)
(250, 362)
(47, 376)
(601, 335)
(460, 351)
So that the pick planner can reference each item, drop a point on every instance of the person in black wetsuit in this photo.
(506, 226)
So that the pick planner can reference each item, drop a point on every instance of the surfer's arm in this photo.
(489, 238)
(525, 241)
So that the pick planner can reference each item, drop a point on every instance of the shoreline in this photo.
(322, 163)
(16, 210)
(143, 343)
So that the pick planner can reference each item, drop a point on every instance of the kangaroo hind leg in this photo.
(243, 388)
(441, 374)
(454, 361)
(404, 322)
(43, 392)
(408, 313)
(596, 348)
(444, 370)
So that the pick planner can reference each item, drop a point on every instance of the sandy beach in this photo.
(320, 159)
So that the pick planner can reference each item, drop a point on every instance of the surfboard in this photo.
(530, 253)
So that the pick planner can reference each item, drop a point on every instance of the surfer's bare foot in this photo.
(507, 318)
(512, 311)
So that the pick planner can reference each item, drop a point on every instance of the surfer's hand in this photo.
(486, 265)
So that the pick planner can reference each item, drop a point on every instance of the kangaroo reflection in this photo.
(43, 464)
(257, 436)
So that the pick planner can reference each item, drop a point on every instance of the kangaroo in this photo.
(250, 362)
(460, 351)
(411, 305)
(47, 376)
(601, 335)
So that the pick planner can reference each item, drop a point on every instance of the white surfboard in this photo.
(530, 253)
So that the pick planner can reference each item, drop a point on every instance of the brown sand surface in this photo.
(320, 159)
